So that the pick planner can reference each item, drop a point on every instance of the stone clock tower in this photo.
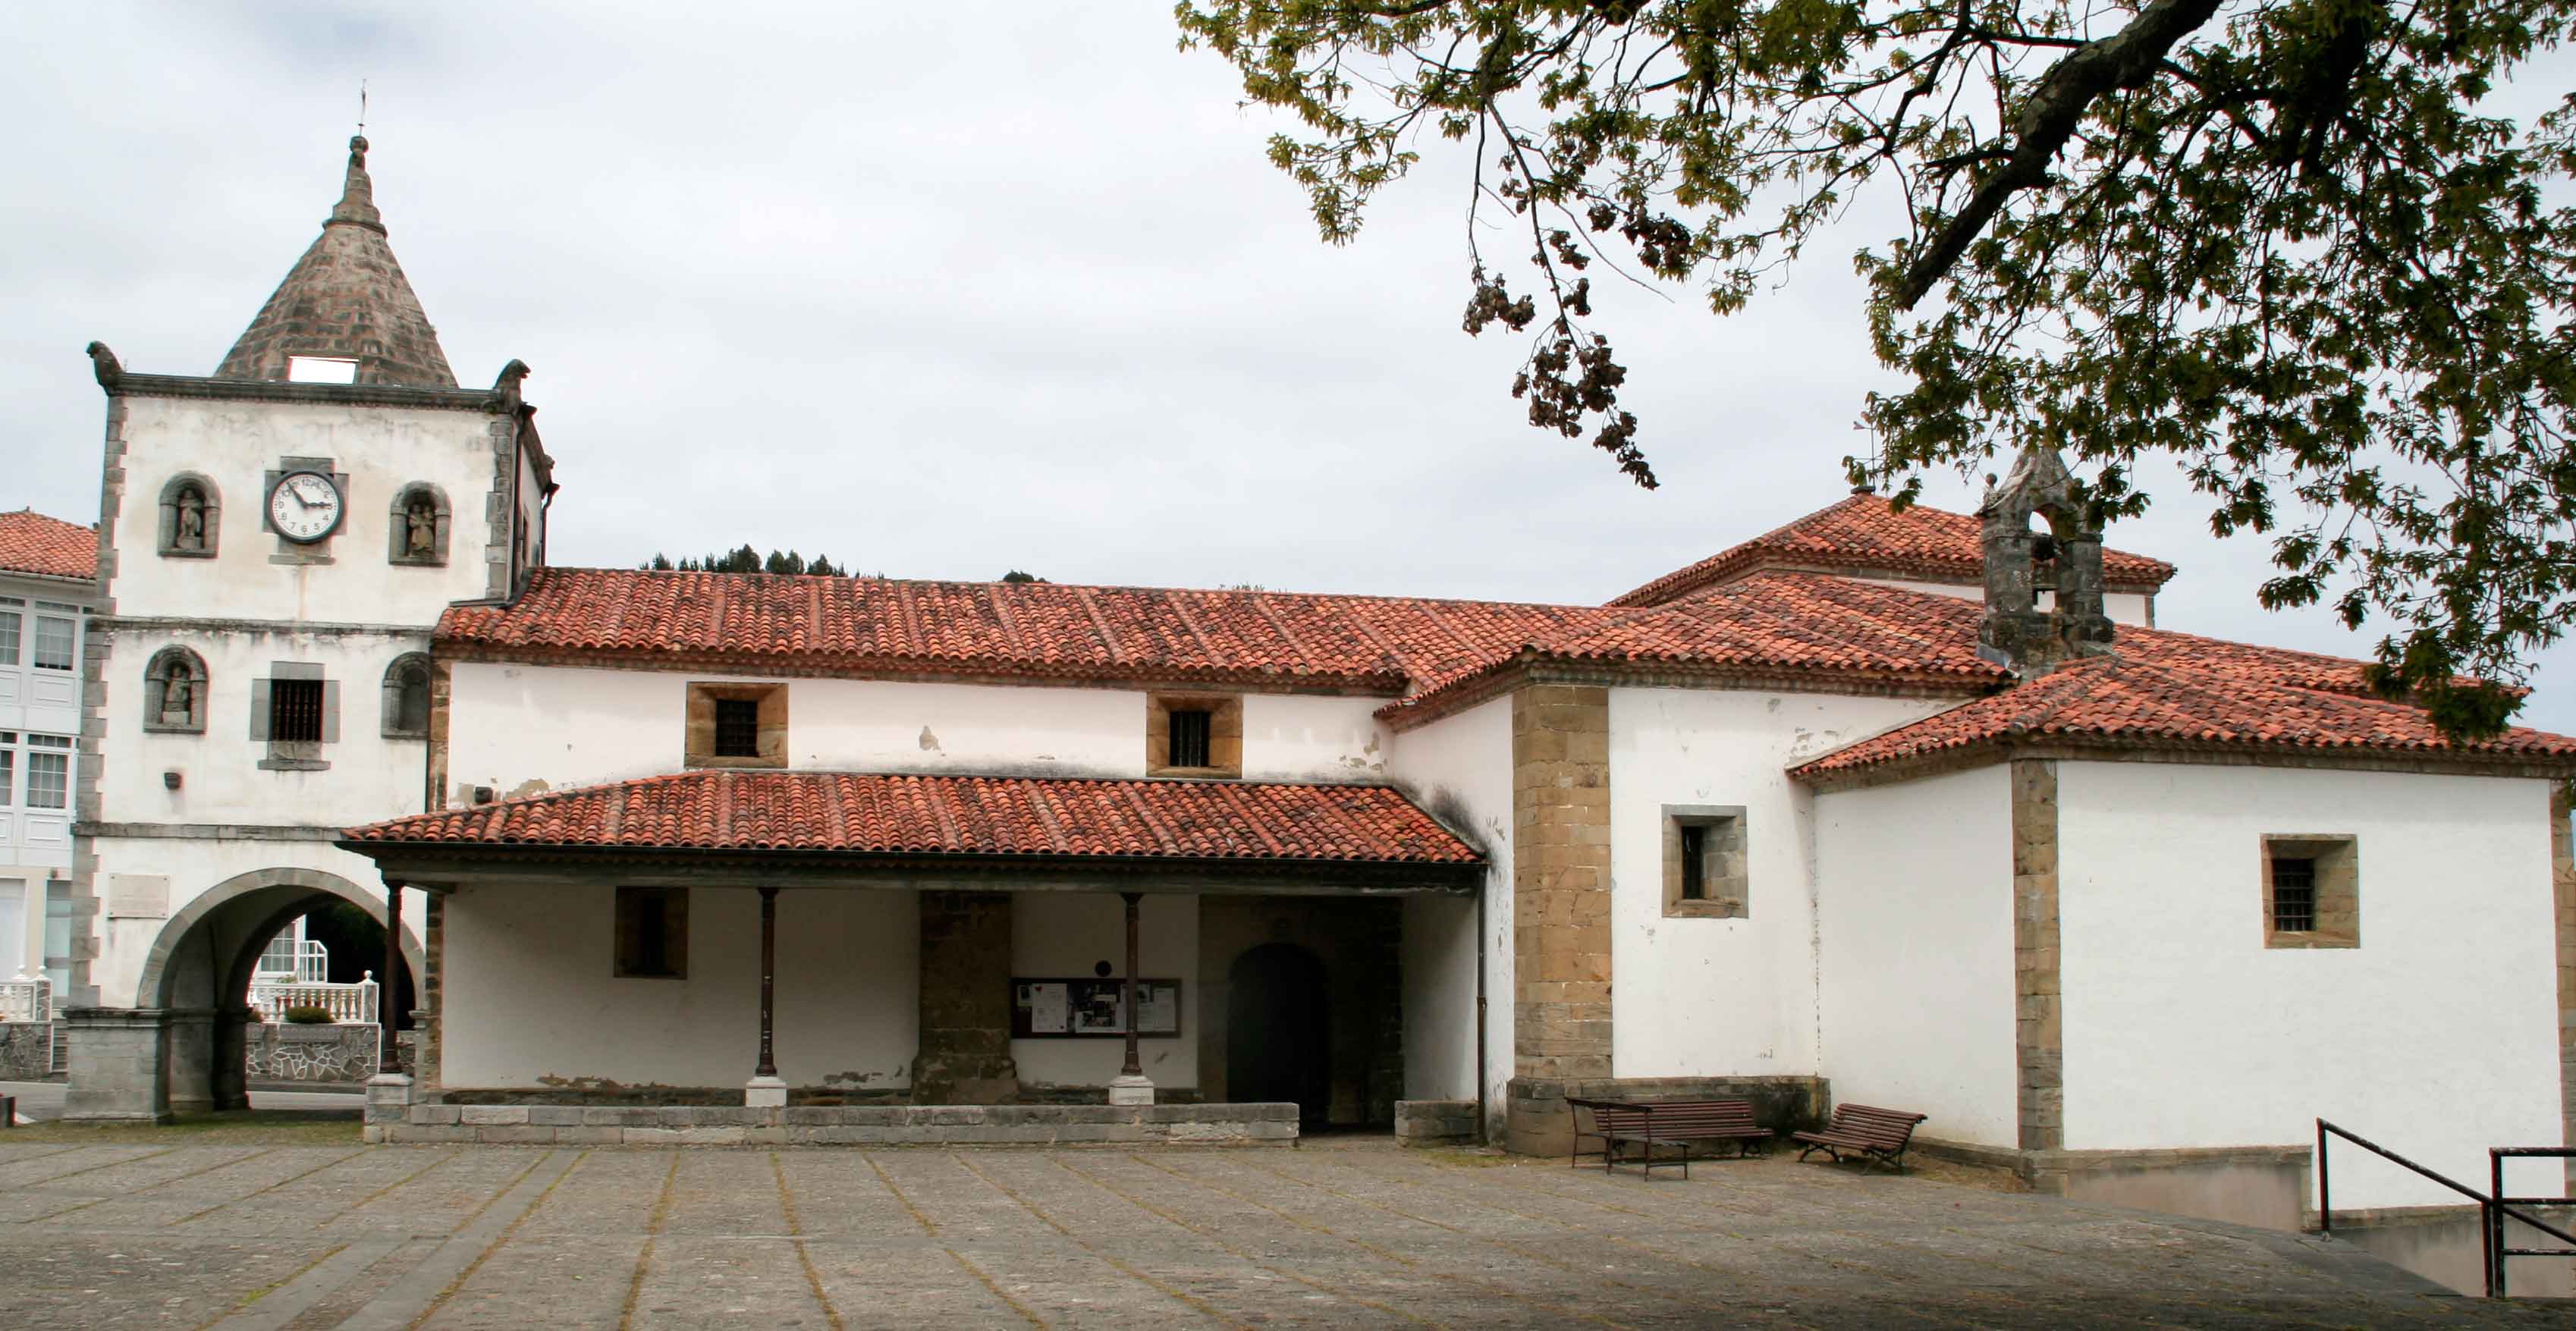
(276, 543)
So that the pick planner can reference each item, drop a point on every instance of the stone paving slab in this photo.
(296, 1236)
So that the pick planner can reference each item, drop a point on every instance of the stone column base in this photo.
(764, 1093)
(388, 1104)
(1137, 1090)
(119, 1065)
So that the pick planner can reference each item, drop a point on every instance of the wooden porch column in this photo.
(389, 1058)
(768, 977)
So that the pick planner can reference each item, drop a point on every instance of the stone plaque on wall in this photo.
(138, 896)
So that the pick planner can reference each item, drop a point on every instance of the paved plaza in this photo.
(295, 1234)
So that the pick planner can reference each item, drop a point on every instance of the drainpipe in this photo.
(1483, 1133)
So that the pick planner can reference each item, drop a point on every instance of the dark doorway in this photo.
(1277, 1031)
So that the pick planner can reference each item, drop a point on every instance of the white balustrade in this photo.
(26, 998)
(347, 1003)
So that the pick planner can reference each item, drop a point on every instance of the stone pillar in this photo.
(1561, 1017)
(230, 1072)
(2039, 1029)
(965, 1055)
(428, 1022)
(119, 1065)
(390, 1088)
(192, 1086)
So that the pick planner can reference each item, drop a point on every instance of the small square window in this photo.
(736, 725)
(652, 933)
(1193, 735)
(1705, 873)
(295, 711)
(2311, 892)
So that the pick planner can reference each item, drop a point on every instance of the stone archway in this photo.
(199, 970)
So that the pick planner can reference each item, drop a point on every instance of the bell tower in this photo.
(2044, 587)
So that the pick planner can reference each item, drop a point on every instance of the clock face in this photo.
(304, 506)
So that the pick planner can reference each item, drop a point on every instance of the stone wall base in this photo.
(872, 1125)
(26, 1050)
(1435, 1123)
(2442, 1244)
(1535, 1120)
(2265, 1186)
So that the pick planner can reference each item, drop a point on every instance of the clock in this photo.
(304, 506)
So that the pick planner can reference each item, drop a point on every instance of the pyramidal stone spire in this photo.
(345, 300)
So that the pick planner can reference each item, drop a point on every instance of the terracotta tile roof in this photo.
(1039, 630)
(2129, 701)
(30, 542)
(955, 815)
(1863, 532)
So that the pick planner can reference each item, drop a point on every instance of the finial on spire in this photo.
(358, 194)
(362, 107)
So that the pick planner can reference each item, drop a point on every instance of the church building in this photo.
(1897, 807)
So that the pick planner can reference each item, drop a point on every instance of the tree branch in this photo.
(2125, 59)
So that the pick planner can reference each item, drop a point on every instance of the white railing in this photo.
(345, 1002)
(26, 998)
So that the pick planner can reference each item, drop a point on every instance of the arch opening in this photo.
(1278, 1030)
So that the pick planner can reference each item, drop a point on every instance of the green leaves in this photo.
(2279, 243)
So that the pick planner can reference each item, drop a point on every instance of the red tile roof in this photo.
(1030, 630)
(2130, 700)
(1864, 533)
(859, 813)
(30, 542)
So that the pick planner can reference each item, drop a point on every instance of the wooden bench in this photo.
(1648, 1126)
(1866, 1132)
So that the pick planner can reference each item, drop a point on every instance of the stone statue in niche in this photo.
(420, 519)
(178, 698)
(191, 533)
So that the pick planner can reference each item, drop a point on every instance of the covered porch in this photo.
(814, 956)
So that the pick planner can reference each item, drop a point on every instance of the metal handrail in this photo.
(2494, 1234)
(2493, 1208)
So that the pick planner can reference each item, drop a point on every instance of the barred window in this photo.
(1190, 739)
(295, 711)
(2294, 894)
(1694, 861)
(737, 727)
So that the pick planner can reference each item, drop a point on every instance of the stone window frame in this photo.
(168, 542)
(2338, 887)
(294, 755)
(157, 674)
(633, 905)
(391, 726)
(698, 740)
(1225, 733)
(1725, 875)
(398, 526)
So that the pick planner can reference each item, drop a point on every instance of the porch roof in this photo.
(803, 822)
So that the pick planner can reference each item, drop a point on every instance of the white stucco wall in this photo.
(1711, 997)
(194, 865)
(2436, 1037)
(512, 726)
(220, 780)
(234, 444)
(1067, 934)
(1460, 768)
(531, 995)
(1304, 737)
(1915, 921)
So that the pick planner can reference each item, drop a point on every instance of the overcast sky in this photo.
(940, 291)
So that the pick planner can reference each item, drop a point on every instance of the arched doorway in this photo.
(1278, 1031)
(200, 967)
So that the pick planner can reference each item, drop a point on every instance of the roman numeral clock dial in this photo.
(304, 506)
